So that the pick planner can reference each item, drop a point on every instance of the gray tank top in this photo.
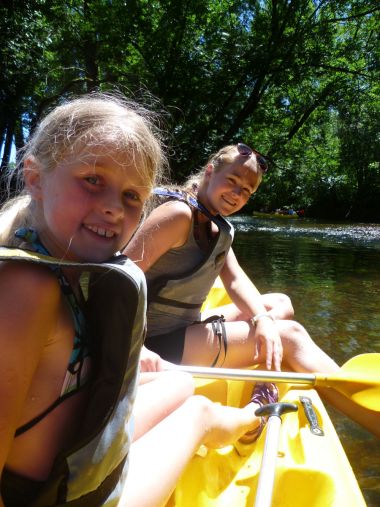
(178, 283)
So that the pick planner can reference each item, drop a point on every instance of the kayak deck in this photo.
(311, 470)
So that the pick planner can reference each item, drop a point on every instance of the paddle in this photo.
(358, 378)
(273, 411)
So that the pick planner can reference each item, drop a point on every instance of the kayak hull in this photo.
(311, 470)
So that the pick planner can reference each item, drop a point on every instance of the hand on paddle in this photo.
(268, 345)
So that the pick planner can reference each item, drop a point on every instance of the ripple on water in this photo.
(354, 233)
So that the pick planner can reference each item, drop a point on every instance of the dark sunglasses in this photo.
(245, 151)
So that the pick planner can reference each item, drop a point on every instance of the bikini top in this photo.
(78, 369)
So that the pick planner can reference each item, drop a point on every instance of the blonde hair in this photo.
(218, 160)
(89, 121)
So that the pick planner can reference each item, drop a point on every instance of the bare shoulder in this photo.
(28, 286)
(171, 211)
(167, 227)
(30, 310)
(173, 216)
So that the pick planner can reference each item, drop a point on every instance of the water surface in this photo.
(331, 271)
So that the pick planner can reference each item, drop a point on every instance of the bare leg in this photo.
(301, 354)
(202, 346)
(158, 458)
(158, 395)
(279, 305)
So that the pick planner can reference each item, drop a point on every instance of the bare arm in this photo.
(247, 298)
(240, 288)
(167, 227)
(29, 302)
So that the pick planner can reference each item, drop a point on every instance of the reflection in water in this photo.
(331, 272)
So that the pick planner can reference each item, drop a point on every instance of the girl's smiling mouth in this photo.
(100, 231)
(227, 201)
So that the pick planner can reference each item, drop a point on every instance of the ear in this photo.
(32, 177)
(209, 171)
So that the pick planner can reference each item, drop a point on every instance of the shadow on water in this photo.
(332, 274)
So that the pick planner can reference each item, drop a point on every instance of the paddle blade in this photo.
(363, 363)
(358, 379)
(369, 398)
(366, 366)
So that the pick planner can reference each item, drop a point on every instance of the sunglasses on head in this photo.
(245, 151)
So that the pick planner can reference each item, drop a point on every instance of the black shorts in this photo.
(170, 346)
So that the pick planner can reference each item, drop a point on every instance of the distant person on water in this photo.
(72, 314)
(183, 246)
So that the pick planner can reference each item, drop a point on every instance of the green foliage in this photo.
(296, 79)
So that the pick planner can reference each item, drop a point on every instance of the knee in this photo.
(282, 306)
(287, 305)
(179, 381)
(295, 335)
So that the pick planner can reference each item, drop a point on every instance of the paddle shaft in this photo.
(248, 375)
(358, 379)
(264, 491)
(273, 411)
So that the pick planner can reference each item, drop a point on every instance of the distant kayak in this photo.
(261, 214)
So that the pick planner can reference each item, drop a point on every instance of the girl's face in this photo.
(227, 190)
(89, 205)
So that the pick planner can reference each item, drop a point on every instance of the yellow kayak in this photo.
(312, 469)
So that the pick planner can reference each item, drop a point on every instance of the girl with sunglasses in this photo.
(183, 246)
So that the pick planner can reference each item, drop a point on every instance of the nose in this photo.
(237, 190)
(112, 205)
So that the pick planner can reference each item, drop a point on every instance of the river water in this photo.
(331, 271)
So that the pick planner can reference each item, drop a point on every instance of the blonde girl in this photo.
(72, 322)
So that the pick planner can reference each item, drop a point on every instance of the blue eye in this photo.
(93, 180)
(131, 196)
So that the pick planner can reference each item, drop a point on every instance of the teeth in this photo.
(230, 203)
(101, 232)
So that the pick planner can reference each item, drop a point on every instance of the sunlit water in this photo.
(331, 271)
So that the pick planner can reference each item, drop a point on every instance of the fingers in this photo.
(277, 354)
(273, 355)
(150, 361)
(268, 347)
(269, 354)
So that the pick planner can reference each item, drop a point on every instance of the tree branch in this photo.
(354, 16)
